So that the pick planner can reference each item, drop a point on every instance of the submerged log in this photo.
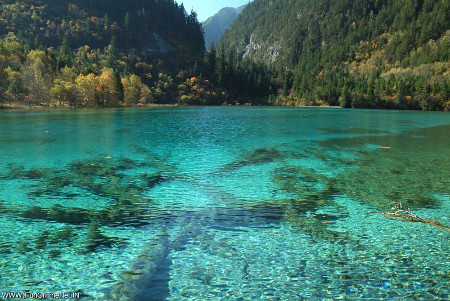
(407, 216)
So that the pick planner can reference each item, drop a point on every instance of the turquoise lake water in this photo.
(224, 203)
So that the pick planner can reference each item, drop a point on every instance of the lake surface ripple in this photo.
(224, 203)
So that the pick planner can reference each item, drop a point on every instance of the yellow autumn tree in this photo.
(135, 91)
(37, 75)
(64, 89)
(106, 91)
(87, 85)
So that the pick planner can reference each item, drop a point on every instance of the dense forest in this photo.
(353, 53)
(101, 53)
(361, 54)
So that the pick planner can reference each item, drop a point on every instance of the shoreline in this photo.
(36, 108)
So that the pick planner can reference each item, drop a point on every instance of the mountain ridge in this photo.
(353, 53)
(217, 24)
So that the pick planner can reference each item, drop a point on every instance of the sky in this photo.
(207, 8)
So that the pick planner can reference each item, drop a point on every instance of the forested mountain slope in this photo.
(360, 53)
(94, 22)
(96, 52)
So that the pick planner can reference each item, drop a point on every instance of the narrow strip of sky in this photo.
(207, 8)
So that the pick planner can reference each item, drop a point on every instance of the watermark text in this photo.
(39, 295)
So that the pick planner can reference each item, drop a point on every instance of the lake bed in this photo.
(224, 203)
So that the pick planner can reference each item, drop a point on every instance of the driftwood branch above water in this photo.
(407, 216)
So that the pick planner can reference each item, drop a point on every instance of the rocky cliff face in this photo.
(360, 53)
(157, 44)
(260, 49)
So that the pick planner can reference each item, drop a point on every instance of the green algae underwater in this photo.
(225, 203)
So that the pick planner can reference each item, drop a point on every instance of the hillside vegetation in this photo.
(100, 53)
(362, 54)
(356, 53)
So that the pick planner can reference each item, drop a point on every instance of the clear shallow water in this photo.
(224, 203)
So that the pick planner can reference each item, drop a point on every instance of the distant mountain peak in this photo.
(216, 25)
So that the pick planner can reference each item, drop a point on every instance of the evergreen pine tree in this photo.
(126, 20)
(220, 69)
(106, 21)
(118, 87)
(210, 61)
(113, 53)
(345, 100)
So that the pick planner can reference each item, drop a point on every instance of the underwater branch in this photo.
(407, 216)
